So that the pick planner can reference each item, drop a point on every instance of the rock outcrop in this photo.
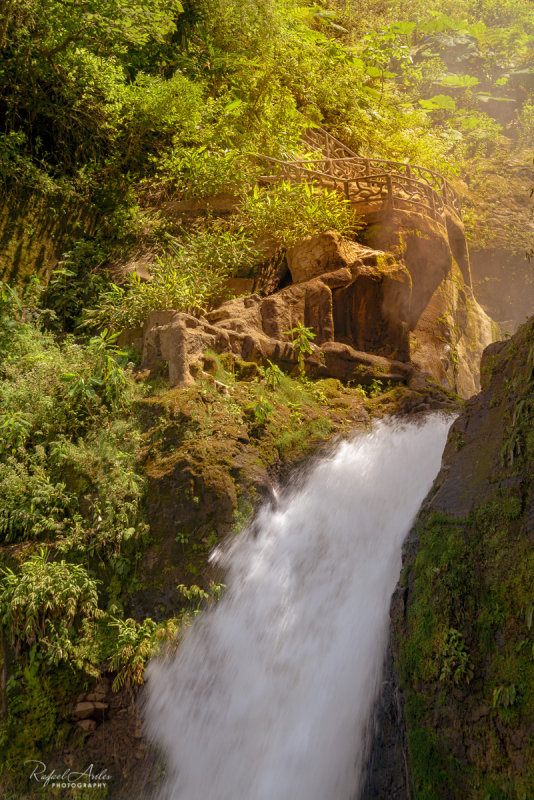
(356, 301)
(462, 614)
(374, 318)
(451, 334)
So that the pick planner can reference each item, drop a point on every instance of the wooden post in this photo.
(433, 203)
(367, 167)
(389, 184)
(408, 171)
(346, 190)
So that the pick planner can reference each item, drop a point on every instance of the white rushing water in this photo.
(269, 696)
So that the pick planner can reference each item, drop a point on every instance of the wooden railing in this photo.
(370, 184)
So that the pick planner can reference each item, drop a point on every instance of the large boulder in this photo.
(451, 335)
(327, 252)
(360, 306)
(426, 247)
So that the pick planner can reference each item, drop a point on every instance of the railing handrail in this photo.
(447, 193)
(353, 187)
(327, 137)
(439, 194)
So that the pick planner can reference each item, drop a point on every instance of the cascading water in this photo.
(270, 693)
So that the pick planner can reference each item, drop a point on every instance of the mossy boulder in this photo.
(462, 616)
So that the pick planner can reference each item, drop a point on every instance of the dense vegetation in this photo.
(120, 109)
(122, 112)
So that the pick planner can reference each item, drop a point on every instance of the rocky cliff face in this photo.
(462, 617)
(35, 231)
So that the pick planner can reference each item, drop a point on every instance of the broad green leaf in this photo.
(459, 81)
(233, 105)
(403, 28)
(373, 72)
(439, 102)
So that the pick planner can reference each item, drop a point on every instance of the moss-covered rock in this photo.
(462, 617)
(214, 450)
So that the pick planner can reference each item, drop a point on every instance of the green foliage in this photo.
(504, 696)
(103, 382)
(180, 90)
(194, 271)
(434, 775)
(288, 212)
(70, 290)
(56, 85)
(67, 459)
(136, 644)
(203, 172)
(48, 604)
(31, 723)
(197, 598)
(302, 343)
(376, 387)
(175, 284)
(441, 102)
(273, 375)
(260, 408)
(455, 663)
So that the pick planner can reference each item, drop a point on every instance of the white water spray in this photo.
(269, 696)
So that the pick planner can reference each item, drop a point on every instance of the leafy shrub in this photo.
(203, 172)
(136, 643)
(186, 280)
(156, 111)
(47, 604)
(67, 457)
(288, 212)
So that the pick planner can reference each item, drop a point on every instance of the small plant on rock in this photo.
(273, 375)
(504, 696)
(376, 388)
(302, 339)
(261, 409)
(456, 664)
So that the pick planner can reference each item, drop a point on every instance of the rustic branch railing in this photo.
(374, 183)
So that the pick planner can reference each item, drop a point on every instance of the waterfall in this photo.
(270, 693)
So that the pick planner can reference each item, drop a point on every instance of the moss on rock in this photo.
(462, 623)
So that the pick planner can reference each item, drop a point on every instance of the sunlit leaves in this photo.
(458, 81)
(440, 102)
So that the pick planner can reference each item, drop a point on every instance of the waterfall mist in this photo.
(269, 695)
